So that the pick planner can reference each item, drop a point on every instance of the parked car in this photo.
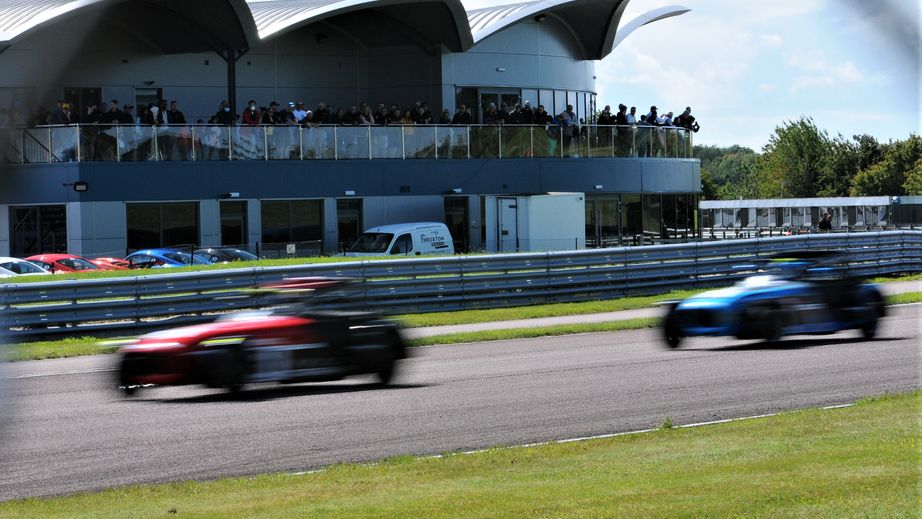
(62, 263)
(294, 342)
(226, 255)
(164, 258)
(21, 267)
(6, 273)
(111, 263)
(404, 239)
(793, 294)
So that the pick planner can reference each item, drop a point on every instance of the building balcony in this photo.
(209, 143)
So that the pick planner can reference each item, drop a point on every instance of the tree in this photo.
(913, 184)
(708, 186)
(840, 167)
(790, 164)
(889, 176)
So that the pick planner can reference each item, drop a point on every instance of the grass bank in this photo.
(860, 461)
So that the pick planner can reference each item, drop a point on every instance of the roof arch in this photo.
(593, 23)
(19, 18)
(430, 18)
(618, 34)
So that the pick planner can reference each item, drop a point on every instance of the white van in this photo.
(404, 239)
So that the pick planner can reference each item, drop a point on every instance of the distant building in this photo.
(847, 213)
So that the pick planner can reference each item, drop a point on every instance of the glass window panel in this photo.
(546, 98)
(652, 215)
(631, 215)
(275, 221)
(305, 220)
(560, 102)
(180, 224)
(143, 225)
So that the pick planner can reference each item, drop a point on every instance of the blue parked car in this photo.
(164, 258)
(794, 294)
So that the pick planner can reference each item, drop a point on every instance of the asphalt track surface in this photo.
(66, 429)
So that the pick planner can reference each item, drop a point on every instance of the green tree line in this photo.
(801, 160)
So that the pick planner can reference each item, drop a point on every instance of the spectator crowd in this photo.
(295, 113)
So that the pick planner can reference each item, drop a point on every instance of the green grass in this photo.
(544, 331)
(861, 461)
(906, 298)
(536, 311)
(71, 347)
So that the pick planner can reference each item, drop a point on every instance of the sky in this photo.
(747, 66)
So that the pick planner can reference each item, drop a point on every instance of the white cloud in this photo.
(772, 40)
(824, 74)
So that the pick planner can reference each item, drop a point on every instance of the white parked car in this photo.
(6, 273)
(404, 239)
(21, 267)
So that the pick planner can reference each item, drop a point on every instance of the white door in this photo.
(508, 235)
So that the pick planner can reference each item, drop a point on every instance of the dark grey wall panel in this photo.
(302, 179)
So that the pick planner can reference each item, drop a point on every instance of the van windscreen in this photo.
(372, 242)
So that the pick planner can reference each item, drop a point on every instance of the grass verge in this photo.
(860, 461)
(536, 311)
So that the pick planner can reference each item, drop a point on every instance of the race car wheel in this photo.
(771, 324)
(869, 327)
(388, 366)
(238, 373)
(672, 333)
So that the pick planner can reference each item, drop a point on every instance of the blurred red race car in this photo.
(111, 263)
(62, 263)
(294, 342)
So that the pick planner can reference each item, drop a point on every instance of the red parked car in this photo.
(62, 263)
(111, 263)
(292, 343)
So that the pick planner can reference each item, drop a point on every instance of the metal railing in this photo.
(86, 307)
(133, 143)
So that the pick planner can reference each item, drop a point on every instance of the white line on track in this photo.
(57, 373)
(595, 437)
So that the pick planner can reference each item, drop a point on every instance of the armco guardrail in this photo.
(86, 307)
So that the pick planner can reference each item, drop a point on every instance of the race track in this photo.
(65, 430)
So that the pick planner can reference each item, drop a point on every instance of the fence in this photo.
(88, 307)
(129, 143)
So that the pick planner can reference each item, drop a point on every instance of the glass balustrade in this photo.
(248, 142)
(221, 143)
(419, 142)
(546, 141)
(485, 142)
(386, 142)
(317, 143)
(516, 142)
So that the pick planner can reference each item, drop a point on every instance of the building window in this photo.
(38, 229)
(162, 225)
(348, 221)
(456, 219)
(285, 221)
(234, 224)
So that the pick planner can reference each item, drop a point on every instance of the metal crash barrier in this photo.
(88, 307)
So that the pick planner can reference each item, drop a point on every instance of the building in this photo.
(103, 189)
(845, 213)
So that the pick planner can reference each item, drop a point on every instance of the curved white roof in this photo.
(594, 23)
(274, 17)
(19, 16)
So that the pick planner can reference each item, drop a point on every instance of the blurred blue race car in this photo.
(164, 258)
(801, 293)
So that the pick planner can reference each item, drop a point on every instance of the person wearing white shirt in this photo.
(632, 116)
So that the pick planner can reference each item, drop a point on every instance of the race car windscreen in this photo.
(179, 257)
(372, 242)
